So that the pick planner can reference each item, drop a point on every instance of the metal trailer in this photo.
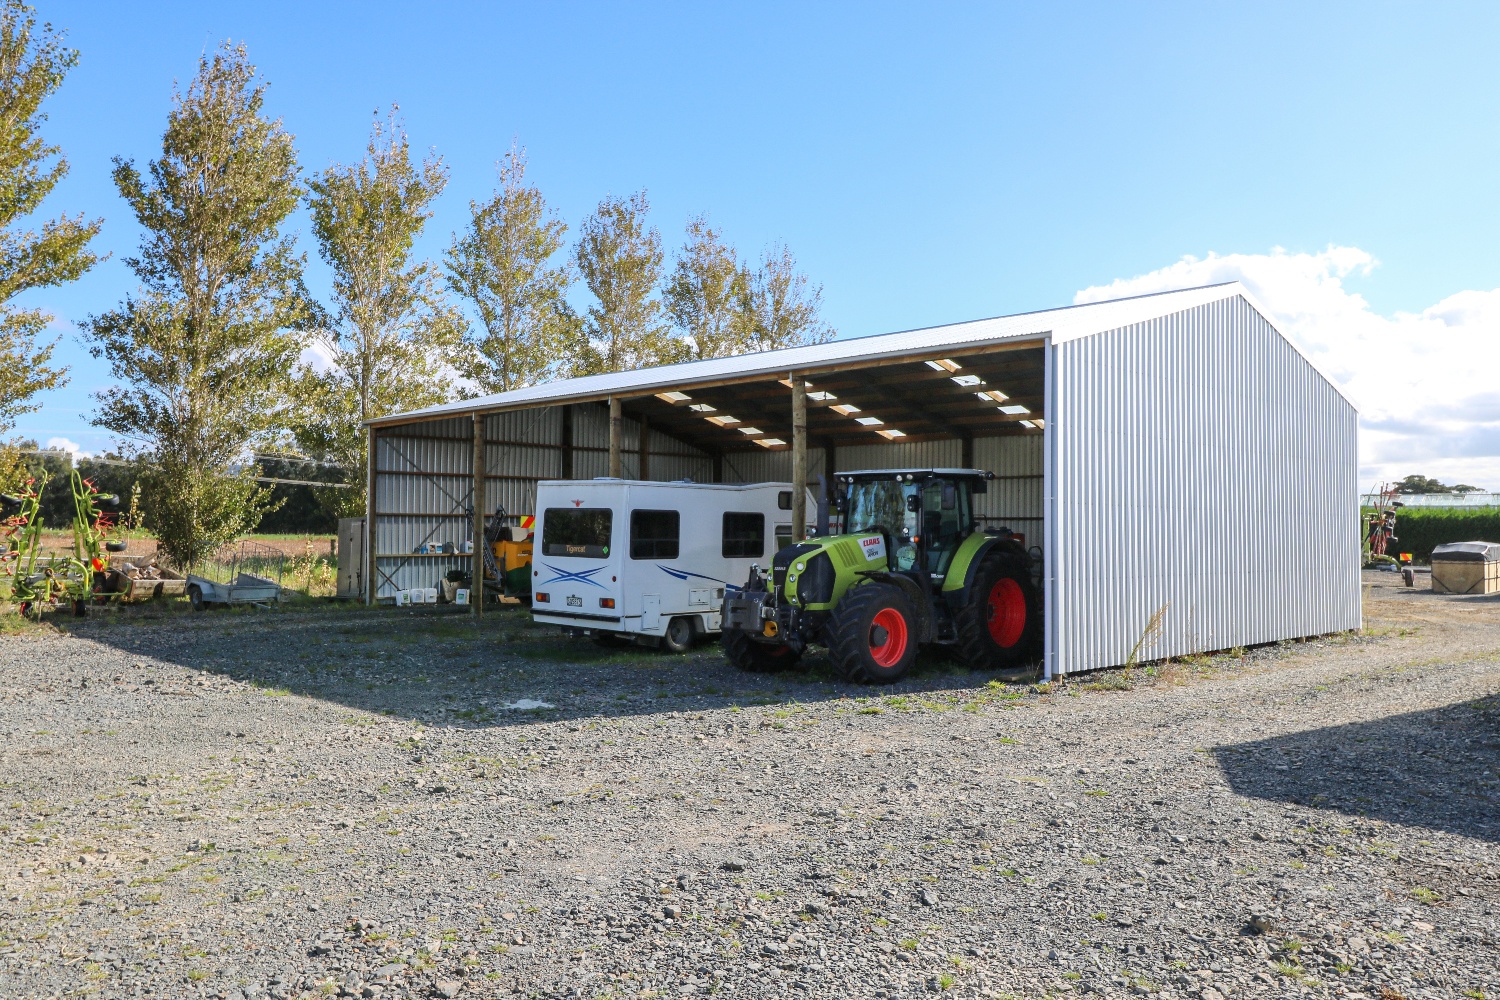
(247, 588)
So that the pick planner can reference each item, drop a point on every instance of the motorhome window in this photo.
(744, 536)
(783, 536)
(576, 531)
(653, 534)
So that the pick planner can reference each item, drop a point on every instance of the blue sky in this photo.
(925, 165)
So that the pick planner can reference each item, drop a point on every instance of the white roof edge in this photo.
(1214, 293)
(1312, 363)
(1058, 325)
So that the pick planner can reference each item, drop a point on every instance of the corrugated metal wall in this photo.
(424, 478)
(1203, 471)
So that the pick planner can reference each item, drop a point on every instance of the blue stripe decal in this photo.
(682, 574)
(568, 576)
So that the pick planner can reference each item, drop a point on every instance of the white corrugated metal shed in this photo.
(1174, 440)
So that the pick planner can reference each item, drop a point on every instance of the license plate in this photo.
(575, 602)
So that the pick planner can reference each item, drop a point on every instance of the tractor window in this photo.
(945, 515)
(744, 536)
(881, 503)
(654, 534)
(583, 532)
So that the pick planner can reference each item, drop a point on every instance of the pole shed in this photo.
(1187, 474)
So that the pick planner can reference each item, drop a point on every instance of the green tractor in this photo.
(911, 568)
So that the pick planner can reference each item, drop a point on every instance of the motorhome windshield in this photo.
(581, 532)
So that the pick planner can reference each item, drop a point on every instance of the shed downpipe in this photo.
(799, 458)
(616, 420)
(476, 569)
(370, 515)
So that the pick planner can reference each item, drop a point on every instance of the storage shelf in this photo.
(423, 555)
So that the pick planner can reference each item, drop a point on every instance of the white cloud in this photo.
(1424, 382)
(63, 444)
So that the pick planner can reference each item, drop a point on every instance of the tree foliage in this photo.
(385, 341)
(205, 351)
(1424, 484)
(787, 309)
(502, 264)
(723, 308)
(620, 260)
(33, 62)
(708, 295)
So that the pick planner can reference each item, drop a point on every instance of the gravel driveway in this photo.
(373, 803)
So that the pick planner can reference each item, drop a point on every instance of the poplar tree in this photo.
(786, 308)
(33, 63)
(620, 260)
(708, 295)
(502, 264)
(386, 340)
(205, 351)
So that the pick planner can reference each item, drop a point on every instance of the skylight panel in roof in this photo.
(1015, 408)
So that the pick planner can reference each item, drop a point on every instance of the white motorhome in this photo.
(650, 560)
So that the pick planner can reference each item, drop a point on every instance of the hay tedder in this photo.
(34, 581)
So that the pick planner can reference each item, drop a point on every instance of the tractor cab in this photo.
(905, 566)
(925, 513)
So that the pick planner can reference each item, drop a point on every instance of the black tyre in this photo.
(80, 608)
(756, 657)
(681, 632)
(195, 595)
(997, 629)
(872, 637)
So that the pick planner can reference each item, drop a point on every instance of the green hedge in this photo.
(1419, 529)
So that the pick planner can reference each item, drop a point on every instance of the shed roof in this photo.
(891, 380)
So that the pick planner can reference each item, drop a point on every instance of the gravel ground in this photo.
(367, 803)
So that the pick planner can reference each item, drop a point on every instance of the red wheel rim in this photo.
(889, 651)
(1007, 612)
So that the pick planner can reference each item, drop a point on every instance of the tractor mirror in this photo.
(914, 503)
(950, 496)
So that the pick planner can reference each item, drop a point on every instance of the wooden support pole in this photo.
(370, 516)
(476, 571)
(643, 464)
(567, 442)
(799, 458)
(616, 422)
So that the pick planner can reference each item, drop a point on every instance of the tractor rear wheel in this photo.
(997, 628)
(756, 657)
(872, 637)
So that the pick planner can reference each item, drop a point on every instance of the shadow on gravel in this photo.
(1438, 769)
(441, 667)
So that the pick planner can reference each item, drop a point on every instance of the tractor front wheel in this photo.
(755, 657)
(872, 637)
(997, 628)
